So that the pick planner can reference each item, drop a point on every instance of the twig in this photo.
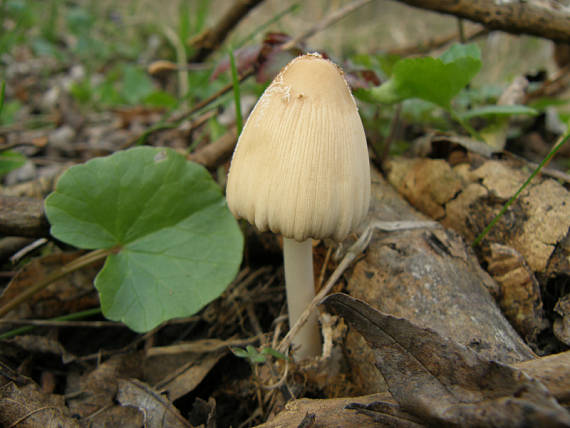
(217, 151)
(50, 323)
(517, 17)
(69, 320)
(210, 39)
(23, 252)
(174, 121)
(326, 22)
(557, 83)
(352, 253)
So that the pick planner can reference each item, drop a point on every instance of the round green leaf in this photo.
(177, 245)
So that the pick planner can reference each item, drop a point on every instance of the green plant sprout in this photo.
(237, 97)
(170, 243)
(253, 356)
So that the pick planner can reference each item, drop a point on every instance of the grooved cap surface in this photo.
(300, 167)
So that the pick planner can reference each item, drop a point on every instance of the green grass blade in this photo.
(237, 97)
(2, 91)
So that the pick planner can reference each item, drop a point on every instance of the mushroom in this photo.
(300, 168)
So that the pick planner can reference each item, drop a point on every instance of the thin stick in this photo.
(173, 122)
(326, 22)
(63, 321)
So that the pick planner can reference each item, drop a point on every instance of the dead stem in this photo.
(76, 264)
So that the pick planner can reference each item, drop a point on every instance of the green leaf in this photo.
(2, 93)
(274, 353)
(10, 160)
(161, 99)
(176, 245)
(496, 110)
(136, 85)
(436, 80)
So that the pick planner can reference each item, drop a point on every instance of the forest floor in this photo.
(429, 328)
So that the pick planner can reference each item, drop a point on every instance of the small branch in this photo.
(217, 151)
(210, 39)
(326, 22)
(175, 121)
(516, 17)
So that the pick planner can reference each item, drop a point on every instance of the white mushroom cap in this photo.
(300, 167)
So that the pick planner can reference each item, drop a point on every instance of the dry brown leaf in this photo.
(41, 345)
(442, 382)
(97, 389)
(27, 407)
(72, 293)
(177, 375)
(158, 411)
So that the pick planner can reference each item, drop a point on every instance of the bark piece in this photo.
(441, 382)
(553, 372)
(22, 217)
(216, 152)
(544, 19)
(28, 407)
(431, 184)
(432, 279)
(519, 292)
(158, 412)
(534, 225)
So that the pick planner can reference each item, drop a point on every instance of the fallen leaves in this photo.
(442, 382)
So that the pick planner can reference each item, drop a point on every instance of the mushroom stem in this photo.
(299, 283)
